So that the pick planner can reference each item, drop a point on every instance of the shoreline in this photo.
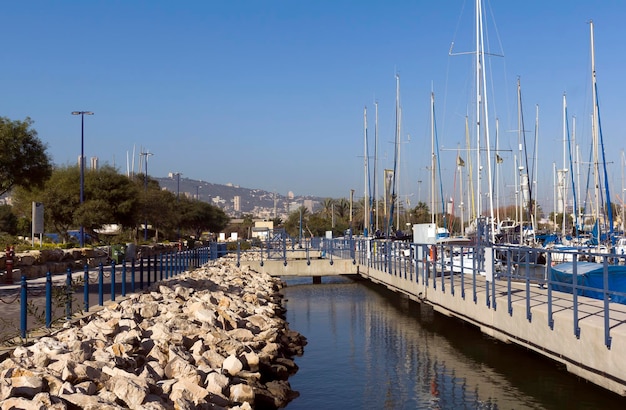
(213, 337)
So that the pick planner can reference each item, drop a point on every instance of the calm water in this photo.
(369, 348)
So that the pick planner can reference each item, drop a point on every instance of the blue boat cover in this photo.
(590, 275)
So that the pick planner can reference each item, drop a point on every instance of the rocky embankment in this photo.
(211, 338)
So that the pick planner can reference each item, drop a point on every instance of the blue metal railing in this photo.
(486, 272)
(161, 267)
(494, 271)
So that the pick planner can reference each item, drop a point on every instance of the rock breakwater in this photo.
(211, 338)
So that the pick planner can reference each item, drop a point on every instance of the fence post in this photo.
(549, 279)
(238, 253)
(132, 275)
(23, 307)
(112, 281)
(68, 294)
(141, 272)
(575, 296)
(86, 288)
(148, 270)
(124, 278)
(48, 299)
(605, 281)
(101, 284)
(155, 270)
(161, 267)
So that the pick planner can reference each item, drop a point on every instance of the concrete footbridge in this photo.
(509, 293)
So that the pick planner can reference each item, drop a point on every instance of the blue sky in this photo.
(270, 94)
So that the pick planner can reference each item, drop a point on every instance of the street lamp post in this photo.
(82, 165)
(145, 185)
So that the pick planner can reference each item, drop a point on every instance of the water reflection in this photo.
(373, 349)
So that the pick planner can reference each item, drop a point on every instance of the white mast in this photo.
(481, 85)
(432, 157)
(521, 167)
(562, 175)
(375, 194)
(366, 197)
(535, 206)
(594, 129)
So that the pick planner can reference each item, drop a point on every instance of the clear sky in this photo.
(270, 94)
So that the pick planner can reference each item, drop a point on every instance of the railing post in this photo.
(238, 253)
(124, 278)
(141, 272)
(86, 288)
(161, 267)
(112, 281)
(605, 281)
(474, 268)
(48, 299)
(68, 294)
(549, 280)
(443, 269)
(132, 275)
(148, 271)
(451, 250)
(509, 300)
(23, 307)
(493, 282)
(462, 273)
(156, 273)
(167, 265)
(101, 284)
(529, 314)
(575, 296)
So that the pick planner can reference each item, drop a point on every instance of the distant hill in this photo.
(252, 201)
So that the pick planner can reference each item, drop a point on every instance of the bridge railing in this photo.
(486, 271)
(483, 272)
(45, 300)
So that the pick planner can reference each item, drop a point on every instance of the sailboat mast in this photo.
(594, 130)
(482, 97)
(395, 158)
(564, 170)
(375, 194)
(521, 167)
(536, 151)
(366, 196)
(432, 158)
(478, 105)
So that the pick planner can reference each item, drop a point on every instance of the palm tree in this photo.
(327, 208)
(342, 209)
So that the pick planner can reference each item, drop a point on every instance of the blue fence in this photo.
(492, 270)
(481, 271)
(122, 278)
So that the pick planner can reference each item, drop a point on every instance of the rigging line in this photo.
(571, 166)
(498, 54)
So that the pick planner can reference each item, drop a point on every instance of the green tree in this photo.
(109, 198)
(199, 216)
(8, 220)
(23, 157)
